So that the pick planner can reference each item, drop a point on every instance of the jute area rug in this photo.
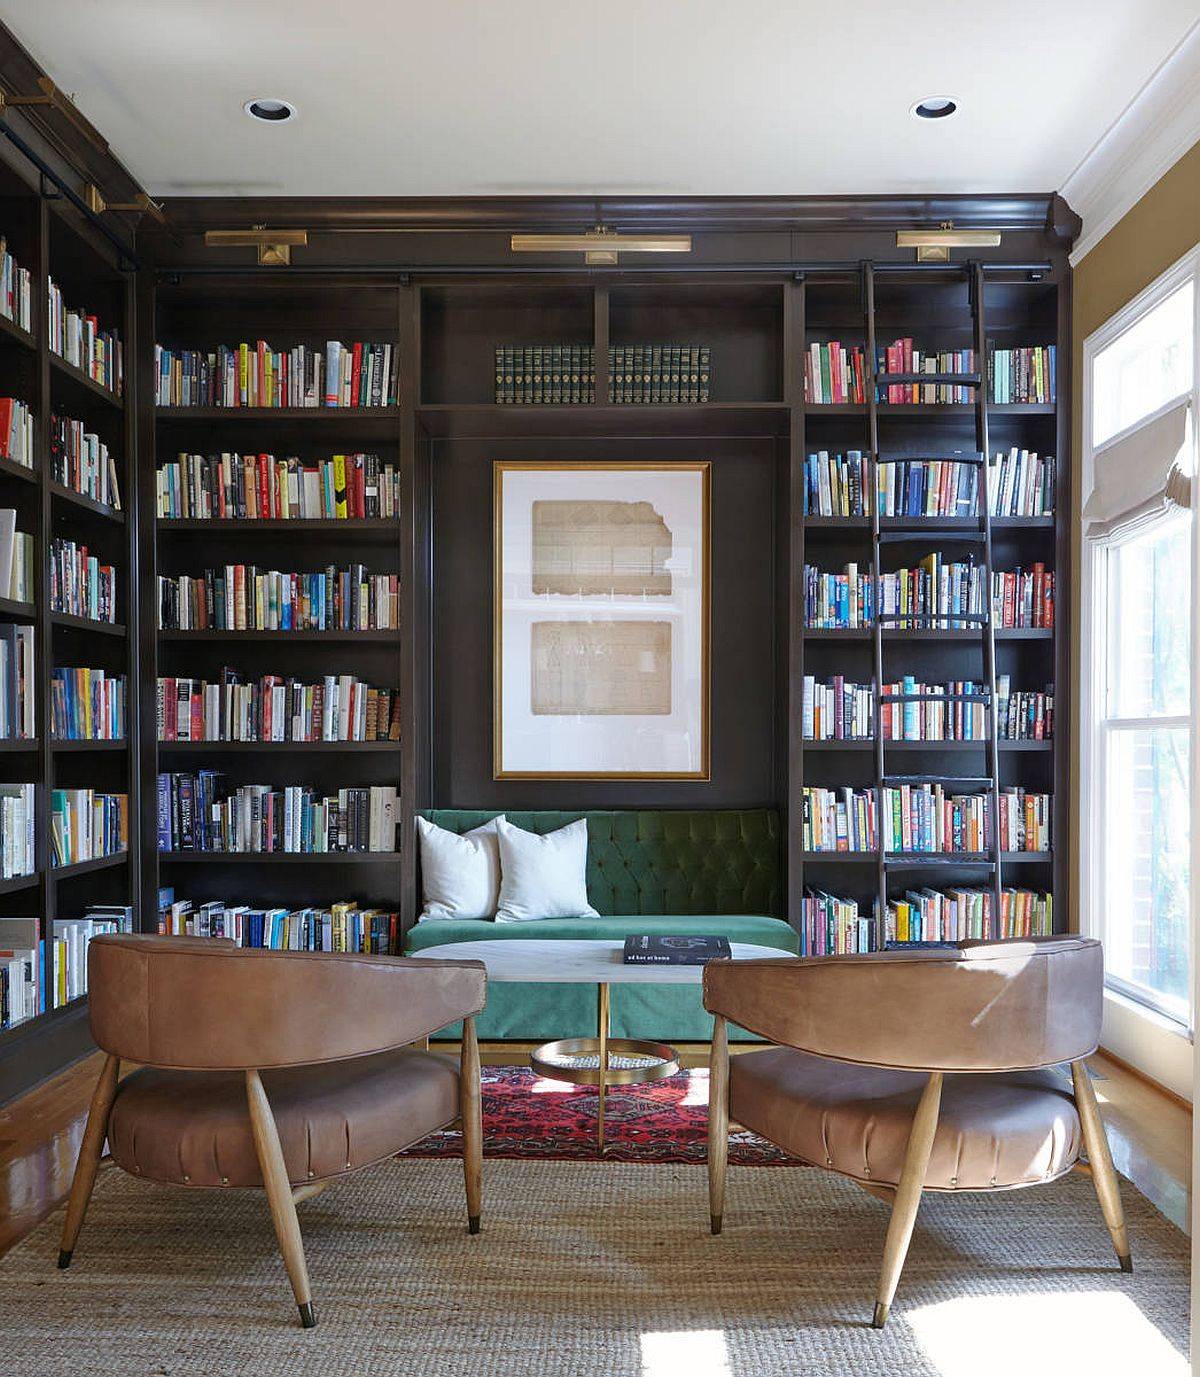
(593, 1267)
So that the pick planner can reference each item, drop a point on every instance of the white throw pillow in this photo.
(543, 876)
(460, 875)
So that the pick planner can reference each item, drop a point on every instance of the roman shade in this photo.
(1140, 474)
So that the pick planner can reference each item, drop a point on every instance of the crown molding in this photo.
(1042, 212)
(1158, 126)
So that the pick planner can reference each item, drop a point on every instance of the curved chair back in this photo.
(205, 1004)
(985, 1006)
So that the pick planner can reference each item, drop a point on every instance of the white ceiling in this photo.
(668, 97)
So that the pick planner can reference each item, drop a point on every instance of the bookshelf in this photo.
(190, 315)
(48, 237)
(438, 282)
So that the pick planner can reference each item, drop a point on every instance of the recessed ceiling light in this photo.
(934, 108)
(269, 110)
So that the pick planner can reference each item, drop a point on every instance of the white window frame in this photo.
(1093, 608)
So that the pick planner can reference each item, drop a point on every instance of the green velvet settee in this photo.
(716, 873)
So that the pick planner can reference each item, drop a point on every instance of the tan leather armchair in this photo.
(281, 1070)
(917, 1071)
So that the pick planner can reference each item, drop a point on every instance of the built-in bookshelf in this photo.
(67, 467)
(277, 539)
(757, 294)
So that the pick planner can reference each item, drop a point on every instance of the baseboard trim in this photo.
(1138, 1074)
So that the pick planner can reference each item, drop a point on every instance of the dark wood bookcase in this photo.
(765, 279)
(51, 239)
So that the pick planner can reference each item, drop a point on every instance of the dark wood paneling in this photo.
(743, 628)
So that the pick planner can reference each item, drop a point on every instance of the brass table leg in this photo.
(602, 1017)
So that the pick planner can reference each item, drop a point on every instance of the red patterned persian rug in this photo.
(527, 1116)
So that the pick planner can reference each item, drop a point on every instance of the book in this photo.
(543, 374)
(16, 289)
(902, 356)
(834, 926)
(87, 705)
(240, 597)
(87, 825)
(1022, 375)
(80, 584)
(16, 432)
(79, 339)
(965, 914)
(834, 373)
(81, 461)
(661, 950)
(203, 812)
(274, 709)
(361, 374)
(1021, 483)
(17, 850)
(344, 926)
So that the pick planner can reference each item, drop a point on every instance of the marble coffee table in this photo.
(603, 1060)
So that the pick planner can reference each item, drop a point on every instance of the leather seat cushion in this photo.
(994, 1131)
(192, 1128)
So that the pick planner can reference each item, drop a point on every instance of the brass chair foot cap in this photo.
(472, 1223)
(64, 1258)
(308, 1318)
(1125, 1259)
(881, 1314)
(716, 1223)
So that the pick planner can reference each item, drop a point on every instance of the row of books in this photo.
(342, 927)
(202, 812)
(653, 374)
(254, 487)
(833, 926)
(79, 584)
(946, 596)
(242, 597)
(86, 824)
(17, 846)
(361, 374)
(959, 915)
(88, 705)
(16, 289)
(1020, 483)
(830, 926)
(78, 338)
(902, 356)
(834, 374)
(81, 461)
(1023, 597)
(545, 374)
(22, 984)
(922, 818)
(340, 708)
(16, 559)
(16, 432)
(18, 687)
(1022, 374)
(69, 948)
(839, 710)
(929, 818)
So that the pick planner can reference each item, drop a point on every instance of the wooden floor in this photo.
(39, 1138)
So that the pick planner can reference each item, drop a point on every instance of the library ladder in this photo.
(914, 530)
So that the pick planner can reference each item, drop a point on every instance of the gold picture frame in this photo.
(502, 467)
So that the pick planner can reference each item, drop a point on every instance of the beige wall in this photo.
(1161, 228)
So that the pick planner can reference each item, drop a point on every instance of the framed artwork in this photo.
(601, 637)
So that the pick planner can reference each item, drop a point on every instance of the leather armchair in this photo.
(279, 1070)
(913, 1071)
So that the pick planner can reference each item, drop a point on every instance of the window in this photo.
(1140, 373)
(1142, 761)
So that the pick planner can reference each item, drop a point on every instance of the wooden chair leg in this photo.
(279, 1195)
(908, 1196)
(718, 1122)
(471, 1112)
(1103, 1173)
(89, 1157)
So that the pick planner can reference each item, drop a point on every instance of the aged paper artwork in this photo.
(601, 668)
(591, 548)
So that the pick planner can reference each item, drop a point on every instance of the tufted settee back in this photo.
(651, 861)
